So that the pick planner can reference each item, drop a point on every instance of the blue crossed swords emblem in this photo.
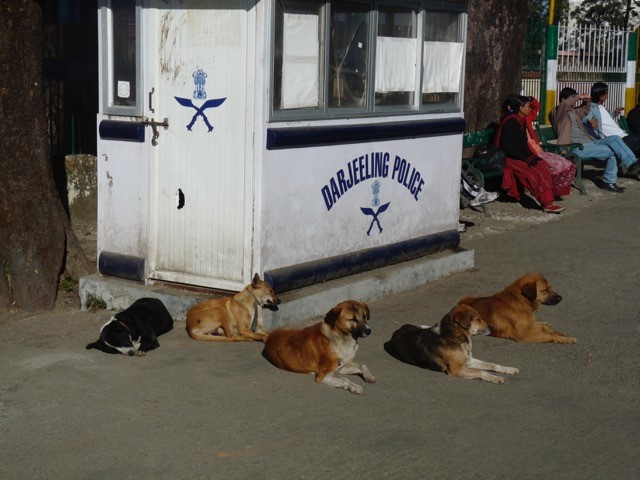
(375, 186)
(374, 213)
(186, 102)
(200, 79)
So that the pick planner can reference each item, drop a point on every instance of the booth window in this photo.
(442, 58)
(121, 59)
(358, 58)
(396, 50)
(348, 54)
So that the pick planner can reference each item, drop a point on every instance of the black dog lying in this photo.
(446, 346)
(135, 330)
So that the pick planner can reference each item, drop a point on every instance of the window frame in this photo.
(324, 112)
(107, 42)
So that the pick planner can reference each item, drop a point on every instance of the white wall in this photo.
(297, 225)
(123, 196)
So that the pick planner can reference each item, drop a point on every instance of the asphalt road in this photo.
(193, 410)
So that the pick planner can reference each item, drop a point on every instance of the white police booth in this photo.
(305, 140)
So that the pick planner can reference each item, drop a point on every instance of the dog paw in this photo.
(369, 378)
(566, 340)
(357, 389)
(139, 353)
(493, 379)
(511, 371)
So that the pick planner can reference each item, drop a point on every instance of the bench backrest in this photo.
(546, 134)
(479, 137)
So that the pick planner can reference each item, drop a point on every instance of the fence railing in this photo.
(592, 50)
(585, 55)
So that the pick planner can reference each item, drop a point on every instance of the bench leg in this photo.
(578, 182)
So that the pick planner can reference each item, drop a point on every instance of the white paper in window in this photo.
(300, 62)
(395, 64)
(442, 67)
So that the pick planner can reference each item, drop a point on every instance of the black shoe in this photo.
(612, 187)
(633, 169)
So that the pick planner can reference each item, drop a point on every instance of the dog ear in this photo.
(256, 280)
(365, 309)
(462, 318)
(332, 316)
(530, 291)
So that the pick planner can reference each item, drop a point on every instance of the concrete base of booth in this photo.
(298, 305)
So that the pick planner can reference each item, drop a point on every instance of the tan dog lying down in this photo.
(233, 319)
(509, 313)
(325, 348)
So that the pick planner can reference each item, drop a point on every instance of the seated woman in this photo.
(562, 170)
(522, 165)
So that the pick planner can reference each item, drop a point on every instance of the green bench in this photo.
(469, 164)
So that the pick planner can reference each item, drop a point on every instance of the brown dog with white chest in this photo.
(325, 348)
(446, 346)
(509, 312)
(233, 319)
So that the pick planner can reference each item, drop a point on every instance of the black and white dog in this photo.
(135, 330)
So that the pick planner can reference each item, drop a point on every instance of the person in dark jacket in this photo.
(522, 166)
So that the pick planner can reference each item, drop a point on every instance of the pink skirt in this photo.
(562, 173)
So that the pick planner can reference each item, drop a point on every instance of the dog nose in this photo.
(366, 332)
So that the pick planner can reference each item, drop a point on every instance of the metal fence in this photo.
(587, 55)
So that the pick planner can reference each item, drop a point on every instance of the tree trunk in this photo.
(496, 33)
(34, 228)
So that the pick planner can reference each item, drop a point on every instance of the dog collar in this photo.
(123, 324)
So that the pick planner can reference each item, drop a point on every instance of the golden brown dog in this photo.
(325, 348)
(446, 346)
(233, 319)
(509, 313)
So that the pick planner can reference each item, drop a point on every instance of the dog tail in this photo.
(92, 345)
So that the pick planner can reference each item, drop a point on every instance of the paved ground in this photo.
(191, 410)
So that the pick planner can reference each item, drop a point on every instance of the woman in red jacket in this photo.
(523, 166)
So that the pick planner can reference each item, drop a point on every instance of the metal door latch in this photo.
(154, 126)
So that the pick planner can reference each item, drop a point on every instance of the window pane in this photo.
(123, 41)
(396, 50)
(442, 59)
(298, 54)
(348, 54)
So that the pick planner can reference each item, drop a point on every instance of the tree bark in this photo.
(34, 228)
(495, 40)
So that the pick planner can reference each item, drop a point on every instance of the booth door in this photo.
(202, 197)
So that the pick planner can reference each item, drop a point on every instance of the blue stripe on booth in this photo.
(122, 266)
(317, 271)
(300, 137)
(119, 130)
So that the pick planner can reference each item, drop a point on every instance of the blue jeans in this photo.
(602, 152)
(622, 151)
(607, 149)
